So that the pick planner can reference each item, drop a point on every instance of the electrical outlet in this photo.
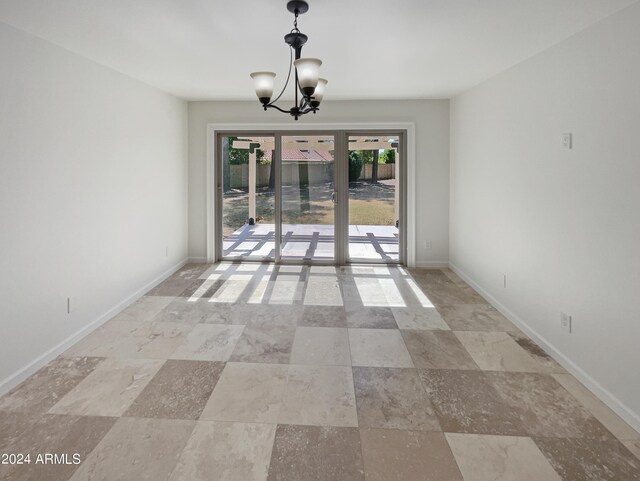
(72, 304)
(166, 251)
(503, 281)
(565, 322)
(567, 141)
(427, 244)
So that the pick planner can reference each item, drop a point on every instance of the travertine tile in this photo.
(497, 351)
(437, 350)
(110, 389)
(378, 348)
(226, 451)
(466, 402)
(209, 342)
(475, 317)
(545, 407)
(600, 410)
(35, 433)
(132, 340)
(633, 445)
(319, 395)
(250, 393)
(262, 315)
(179, 390)
(547, 363)
(45, 388)
(326, 316)
(590, 459)
(268, 344)
(188, 311)
(391, 455)
(370, 317)
(137, 449)
(321, 346)
(414, 317)
(392, 398)
(483, 457)
(313, 453)
(144, 309)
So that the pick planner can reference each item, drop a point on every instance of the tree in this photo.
(388, 156)
(241, 156)
(355, 165)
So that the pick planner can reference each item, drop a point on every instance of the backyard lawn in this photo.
(369, 204)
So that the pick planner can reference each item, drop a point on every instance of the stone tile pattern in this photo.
(243, 371)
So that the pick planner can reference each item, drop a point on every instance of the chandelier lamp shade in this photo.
(309, 87)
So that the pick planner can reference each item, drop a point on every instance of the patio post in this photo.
(252, 183)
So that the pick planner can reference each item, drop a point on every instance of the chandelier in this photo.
(309, 89)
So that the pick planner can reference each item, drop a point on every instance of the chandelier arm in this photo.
(288, 77)
(271, 106)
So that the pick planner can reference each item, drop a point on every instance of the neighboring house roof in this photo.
(302, 155)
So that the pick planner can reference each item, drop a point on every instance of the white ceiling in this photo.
(372, 49)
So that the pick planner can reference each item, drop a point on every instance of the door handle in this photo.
(334, 197)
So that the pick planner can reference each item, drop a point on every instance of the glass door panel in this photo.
(248, 198)
(308, 198)
(374, 202)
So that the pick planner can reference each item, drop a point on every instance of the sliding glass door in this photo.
(320, 197)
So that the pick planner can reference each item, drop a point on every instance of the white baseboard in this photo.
(23, 373)
(197, 260)
(621, 409)
(432, 264)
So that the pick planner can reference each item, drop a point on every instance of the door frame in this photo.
(342, 132)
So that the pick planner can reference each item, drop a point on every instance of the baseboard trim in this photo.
(621, 409)
(23, 373)
(197, 260)
(432, 264)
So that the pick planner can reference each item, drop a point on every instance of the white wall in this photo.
(563, 225)
(431, 118)
(92, 190)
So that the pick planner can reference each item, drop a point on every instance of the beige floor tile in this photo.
(45, 388)
(600, 410)
(590, 459)
(437, 350)
(483, 457)
(251, 393)
(327, 316)
(137, 449)
(132, 340)
(475, 317)
(187, 310)
(226, 451)
(36, 433)
(378, 348)
(633, 445)
(110, 389)
(144, 309)
(391, 455)
(319, 395)
(497, 351)
(264, 343)
(321, 346)
(414, 317)
(545, 407)
(370, 317)
(315, 453)
(467, 402)
(209, 342)
(393, 399)
(179, 390)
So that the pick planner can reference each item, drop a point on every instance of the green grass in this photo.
(368, 205)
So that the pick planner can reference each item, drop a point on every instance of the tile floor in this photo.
(252, 372)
